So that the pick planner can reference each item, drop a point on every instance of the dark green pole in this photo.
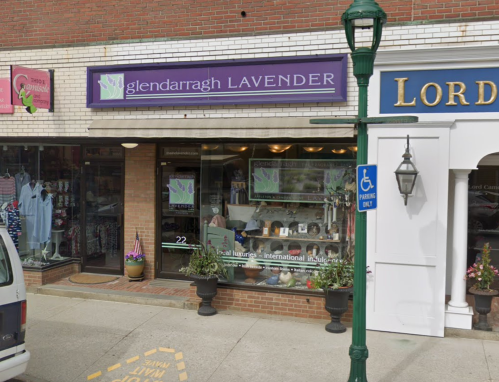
(363, 62)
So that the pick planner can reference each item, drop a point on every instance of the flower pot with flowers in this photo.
(335, 278)
(205, 266)
(483, 274)
(134, 264)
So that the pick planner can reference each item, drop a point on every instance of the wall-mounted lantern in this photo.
(406, 174)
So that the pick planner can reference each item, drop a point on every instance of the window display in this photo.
(483, 212)
(286, 209)
(40, 201)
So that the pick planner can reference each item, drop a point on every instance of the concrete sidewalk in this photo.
(76, 340)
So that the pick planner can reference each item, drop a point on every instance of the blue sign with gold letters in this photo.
(440, 91)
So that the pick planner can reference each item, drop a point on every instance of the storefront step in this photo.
(114, 295)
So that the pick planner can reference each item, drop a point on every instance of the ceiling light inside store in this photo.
(129, 145)
(25, 147)
(313, 149)
(353, 148)
(5, 148)
(40, 148)
(339, 151)
(209, 147)
(237, 149)
(277, 149)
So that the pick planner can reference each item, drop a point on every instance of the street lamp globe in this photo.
(363, 15)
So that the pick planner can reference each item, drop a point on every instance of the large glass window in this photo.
(39, 200)
(483, 211)
(270, 199)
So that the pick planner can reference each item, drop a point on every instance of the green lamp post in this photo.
(362, 15)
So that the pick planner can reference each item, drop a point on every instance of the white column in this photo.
(458, 313)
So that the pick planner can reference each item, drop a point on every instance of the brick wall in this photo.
(38, 278)
(309, 307)
(140, 201)
(30, 23)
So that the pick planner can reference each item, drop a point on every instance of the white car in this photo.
(13, 354)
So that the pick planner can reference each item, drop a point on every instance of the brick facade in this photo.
(300, 306)
(31, 23)
(34, 278)
(140, 201)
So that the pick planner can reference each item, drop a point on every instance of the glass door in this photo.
(178, 215)
(102, 239)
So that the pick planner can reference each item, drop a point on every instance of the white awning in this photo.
(288, 127)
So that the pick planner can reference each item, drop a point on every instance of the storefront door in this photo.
(102, 234)
(178, 215)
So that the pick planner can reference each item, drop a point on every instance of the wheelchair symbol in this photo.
(365, 183)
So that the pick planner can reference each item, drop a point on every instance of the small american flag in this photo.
(137, 249)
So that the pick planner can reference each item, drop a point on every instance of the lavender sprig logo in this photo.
(266, 180)
(333, 179)
(181, 191)
(112, 86)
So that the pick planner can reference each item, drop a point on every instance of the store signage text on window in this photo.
(276, 80)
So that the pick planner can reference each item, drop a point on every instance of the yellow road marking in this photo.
(167, 350)
(94, 375)
(132, 359)
(147, 353)
(178, 356)
(114, 367)
(180, 366)
(182, 376)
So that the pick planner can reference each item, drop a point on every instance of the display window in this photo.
(287, 208)
(483, 212)
(39, 196)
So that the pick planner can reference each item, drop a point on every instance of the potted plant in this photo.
(335, 278)
(134, 264)
(205, 266)
(483, 274)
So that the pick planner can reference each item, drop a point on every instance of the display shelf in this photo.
(293, 239)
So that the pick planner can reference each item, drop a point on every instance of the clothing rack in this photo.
(238, 192)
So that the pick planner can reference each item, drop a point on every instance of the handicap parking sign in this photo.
(367, 187)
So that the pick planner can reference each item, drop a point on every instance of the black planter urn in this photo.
(483, 303)
(206, 289)
(336, 303)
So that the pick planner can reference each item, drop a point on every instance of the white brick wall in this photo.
(72, 118)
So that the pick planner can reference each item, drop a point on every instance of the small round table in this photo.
(56, 239)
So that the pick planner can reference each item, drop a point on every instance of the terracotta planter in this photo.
(483, 302)
(134, 268)
(206, 289)
(252, 272)
(336, 303)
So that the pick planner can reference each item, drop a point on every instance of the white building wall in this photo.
(71, 117)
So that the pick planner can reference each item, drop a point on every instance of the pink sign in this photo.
(5, 101)
(31, 88)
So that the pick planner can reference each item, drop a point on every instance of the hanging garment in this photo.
(43, 221)
(21, 179)
(7, 190)
(28, 202)
(13, 223)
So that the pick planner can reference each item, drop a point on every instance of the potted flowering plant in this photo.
(335, 278)
(483, 274)
(205, 266)
(134, 264)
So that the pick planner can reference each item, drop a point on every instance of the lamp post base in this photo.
(358, 356)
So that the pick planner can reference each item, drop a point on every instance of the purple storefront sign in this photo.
(257, 81)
